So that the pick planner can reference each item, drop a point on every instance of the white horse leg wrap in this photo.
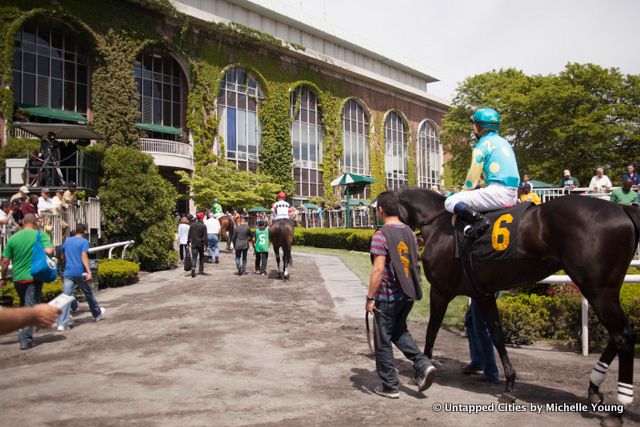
(625, 393)
(598, 373)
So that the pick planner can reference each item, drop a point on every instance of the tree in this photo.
(580, 119)
(137, 204)
(234, 188)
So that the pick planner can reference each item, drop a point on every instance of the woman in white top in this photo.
(183, 236)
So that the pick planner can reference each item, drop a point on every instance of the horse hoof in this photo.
(612, 420)
(595, 398)
(506, 398)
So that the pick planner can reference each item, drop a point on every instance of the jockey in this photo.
(281, 208)
(493, 157)
(216, 208)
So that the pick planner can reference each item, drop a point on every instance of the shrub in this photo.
(117, 272)
(49, 291)
(522, 317)
(334, 238)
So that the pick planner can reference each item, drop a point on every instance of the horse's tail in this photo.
(634, 214)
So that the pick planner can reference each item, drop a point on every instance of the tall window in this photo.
(355, 126)
(306, 138)
(239, 99)
(160, 88)
(50, 67)
(396, 152)
(429, 150)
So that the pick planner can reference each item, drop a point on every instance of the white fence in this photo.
(360, 217)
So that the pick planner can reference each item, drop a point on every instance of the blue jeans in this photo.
(391, 327)
(69, 285)
(242, 253)
(480, 343)
(30, 294)
(213, 243)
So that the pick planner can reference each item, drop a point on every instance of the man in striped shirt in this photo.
(389, 303)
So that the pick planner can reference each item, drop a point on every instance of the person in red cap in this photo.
(281, 209)
(198, 240)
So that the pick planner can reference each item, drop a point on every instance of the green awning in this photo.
(52, 113)
(159, 128)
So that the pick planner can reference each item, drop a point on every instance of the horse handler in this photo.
(394, 286)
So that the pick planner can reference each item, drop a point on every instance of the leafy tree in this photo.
(580, 119)
(137, 204)
(234, 188)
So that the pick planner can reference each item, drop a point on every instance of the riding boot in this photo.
(477, 222)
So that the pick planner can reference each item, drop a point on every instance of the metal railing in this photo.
(163, 146)
(111, 247)
(334, 218)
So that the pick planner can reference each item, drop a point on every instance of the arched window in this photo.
(50, 67)
(355, 141)
(161, 93)
(396, 151)
(306, 138)
(429, 157)
(239, 99)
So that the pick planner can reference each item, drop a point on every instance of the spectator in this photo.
(58, 201)
(213, 230)
(77, 274)
(198, 239)
(30, 205)
(624, 195)
(70, 197)
(262, 247)
(34, 174)
(6, 215)
(526, 179)
(529, 196)
(183, 237)
(240, 239)
(21, 195)
(633, 175)
(45, 203)
(16, 211)
(483, 359)
(568, 181)
(600, 183)
(245, 213)
(18, 250)
(41, 316)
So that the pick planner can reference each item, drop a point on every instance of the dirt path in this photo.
(229, 350)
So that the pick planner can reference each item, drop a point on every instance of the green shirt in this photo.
(216, 208)
(619, 196)
(262, 240)
(19, 249)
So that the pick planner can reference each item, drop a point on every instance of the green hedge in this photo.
(49, 291)
(558, 316)
(334, 238)
(117, 272)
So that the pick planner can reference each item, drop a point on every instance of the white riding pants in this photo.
(492, 197)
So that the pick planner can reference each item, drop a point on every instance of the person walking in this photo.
(183, 237)
(77, 274)
(198, 240)
(18, 250)
(213, 230)
(393, 287)
(240, 239)
(483, 358)
(262, 247)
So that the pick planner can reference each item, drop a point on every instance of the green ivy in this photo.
(376, 155)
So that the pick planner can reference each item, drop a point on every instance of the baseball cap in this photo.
(24, 189)
(200, 215)
(567, 173)
(44, 190)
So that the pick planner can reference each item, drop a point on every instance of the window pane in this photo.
(43, 65)
(69, 71)
(56, 68)
(82, 99)
(29, 64)
(29, 89)
(56, 93)
(69, 96)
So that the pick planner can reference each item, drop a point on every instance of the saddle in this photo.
(497, 243)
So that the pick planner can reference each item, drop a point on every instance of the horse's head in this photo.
(418, 204)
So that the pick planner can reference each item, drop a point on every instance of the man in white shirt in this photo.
(281, 209)
(600, 183)
(213, 230)
(45, 204)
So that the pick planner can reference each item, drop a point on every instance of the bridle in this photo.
(431, 218)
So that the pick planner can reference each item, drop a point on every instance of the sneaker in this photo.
(193, 273)
(217, 260)
(381, 390)
(425, 379)
(27, 346)
(61, 328)
(471, 370)
(100, 316)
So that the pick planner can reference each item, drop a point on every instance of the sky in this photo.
(454, 39)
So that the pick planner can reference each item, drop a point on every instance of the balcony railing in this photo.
(163, 146)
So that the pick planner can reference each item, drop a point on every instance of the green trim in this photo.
(53, 113)
(159, 128)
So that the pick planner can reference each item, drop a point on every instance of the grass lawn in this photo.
(360, 264)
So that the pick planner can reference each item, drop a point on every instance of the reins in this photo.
(431, 218)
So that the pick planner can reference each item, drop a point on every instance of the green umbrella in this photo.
(310, 206)
(349, 180)
(540, 184)
(258, 209)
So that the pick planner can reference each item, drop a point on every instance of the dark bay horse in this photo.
(591, 239)
(281, 236)
(227, 226)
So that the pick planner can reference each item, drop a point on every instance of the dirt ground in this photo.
(224, 350)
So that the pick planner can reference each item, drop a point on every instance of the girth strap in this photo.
(469, 271)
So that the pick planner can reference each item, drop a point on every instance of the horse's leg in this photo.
(276, 250)
(286, 259)
(437, 308)
(489, 311)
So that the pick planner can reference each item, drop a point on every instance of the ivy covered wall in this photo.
(120, 30)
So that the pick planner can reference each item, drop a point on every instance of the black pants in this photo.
(391, 325)
(261, 261)
(183, 251)
(197, 254)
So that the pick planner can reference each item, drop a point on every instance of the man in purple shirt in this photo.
(388, 302)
